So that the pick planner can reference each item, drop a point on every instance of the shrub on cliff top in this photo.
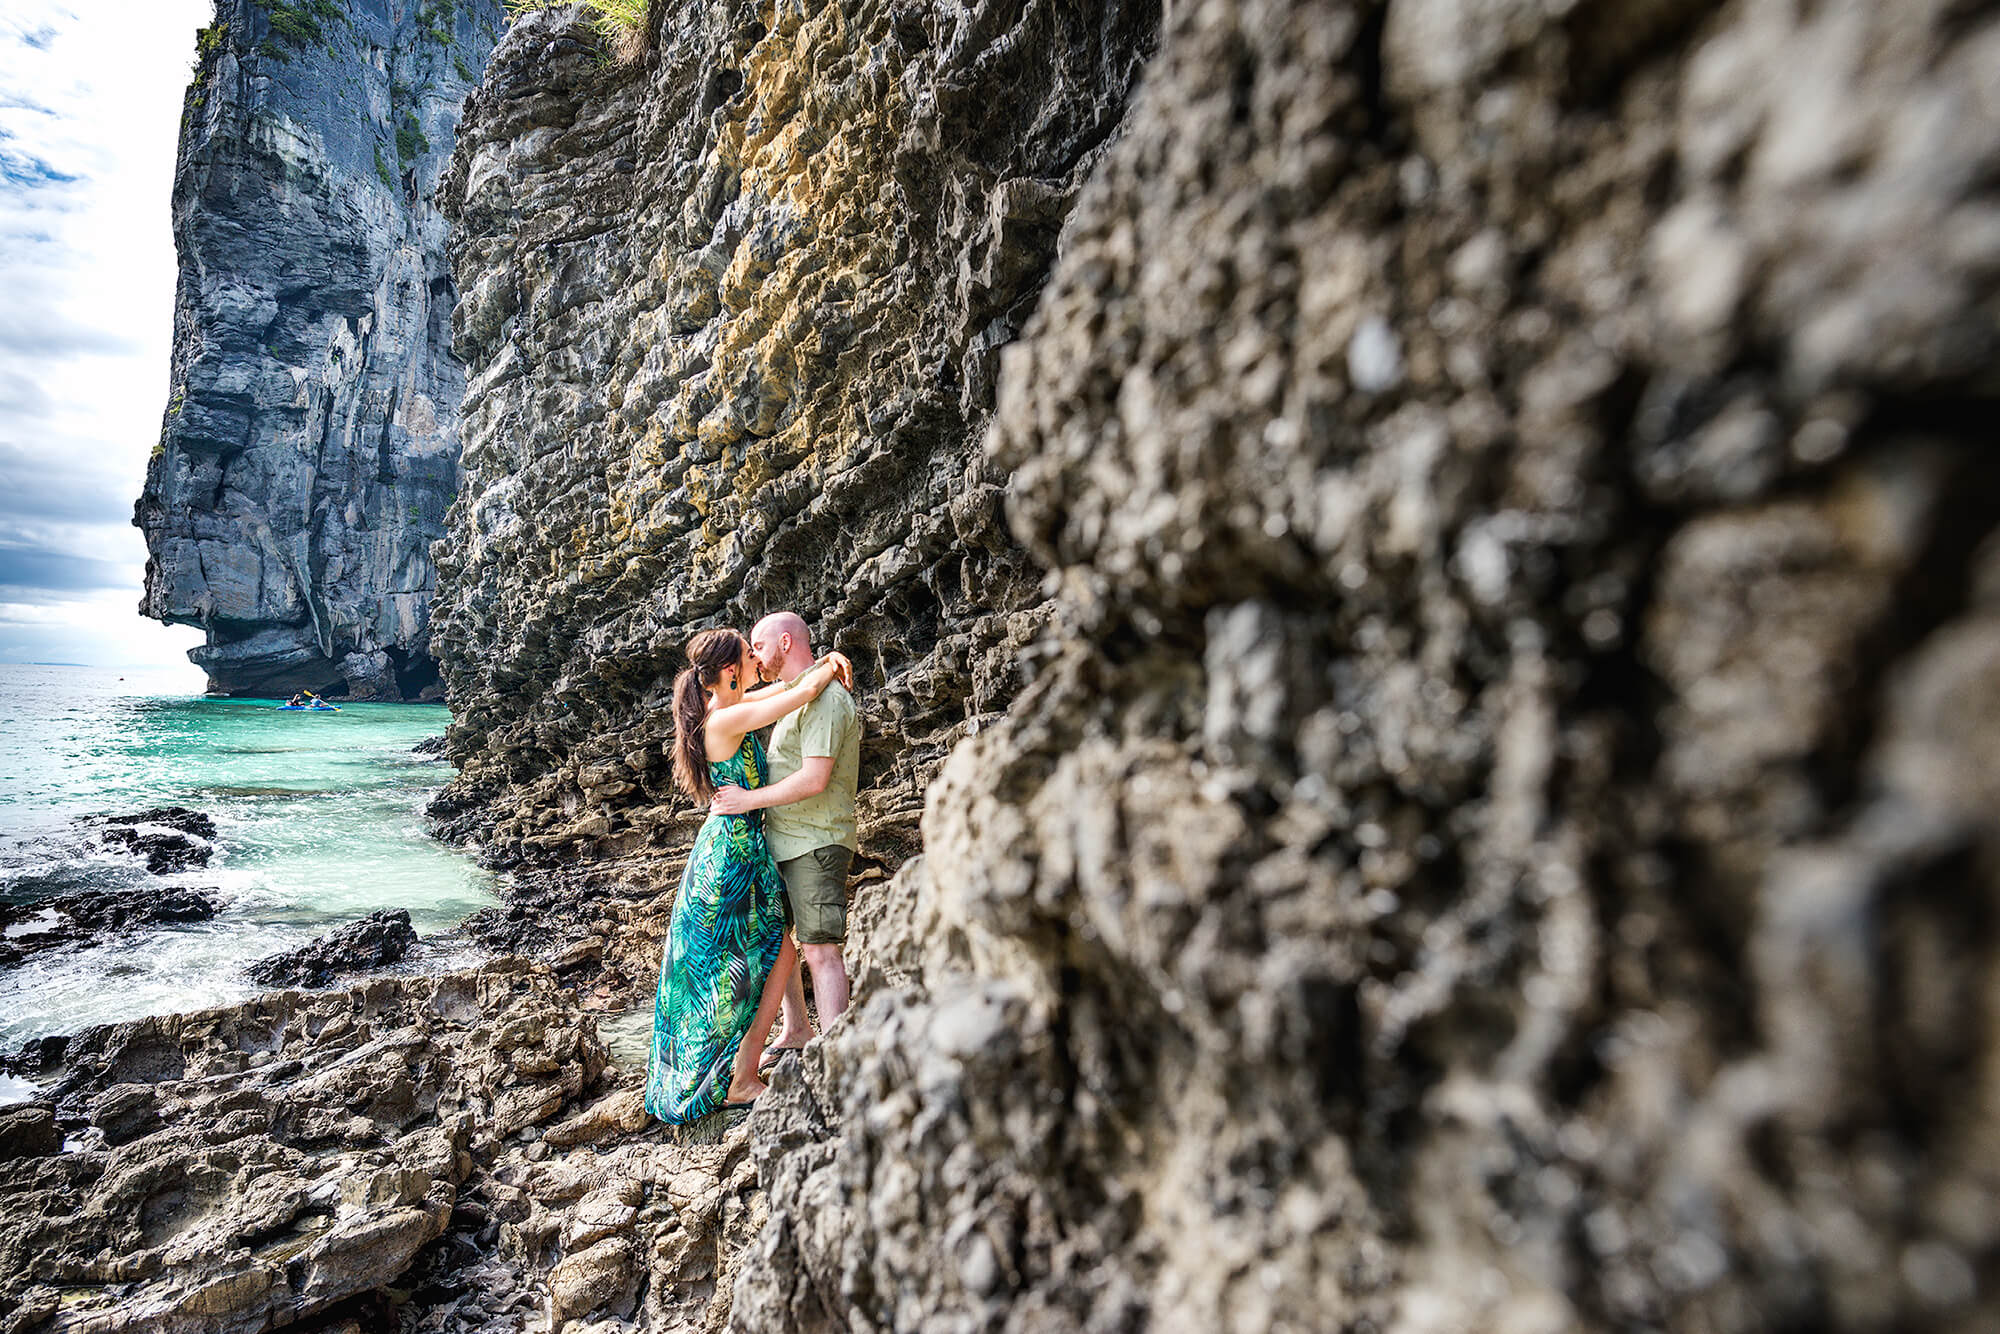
(622, 23)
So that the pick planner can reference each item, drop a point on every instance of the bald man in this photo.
(808, 804)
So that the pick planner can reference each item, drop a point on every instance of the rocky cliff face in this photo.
(309, 449)
(1502, 842)
(731, 319)
(1469, 800)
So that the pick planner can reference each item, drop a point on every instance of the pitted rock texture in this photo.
(730, 326)
(1503, 836)
(1489, 823)
(605, 1221)
(242, 1168)
(309, 449)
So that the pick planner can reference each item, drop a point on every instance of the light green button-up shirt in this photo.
(828, 726)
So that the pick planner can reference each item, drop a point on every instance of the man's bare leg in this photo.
(797, 1031)
(743, 1082)
(829, 972)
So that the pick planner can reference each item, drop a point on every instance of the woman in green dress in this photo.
(727, 952)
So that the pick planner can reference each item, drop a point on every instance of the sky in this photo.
(90, 104)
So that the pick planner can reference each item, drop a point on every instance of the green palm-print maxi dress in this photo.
(728, 925)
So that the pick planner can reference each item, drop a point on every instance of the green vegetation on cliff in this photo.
(615, 18)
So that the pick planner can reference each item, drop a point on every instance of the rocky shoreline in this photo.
(463, 1148)
(241, 1168)
(464, 1152)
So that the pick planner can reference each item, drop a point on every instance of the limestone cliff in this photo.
(731, 318)
(309, 448)
(1469, 801)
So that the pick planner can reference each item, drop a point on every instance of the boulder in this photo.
(600, 1275)
(93, 916)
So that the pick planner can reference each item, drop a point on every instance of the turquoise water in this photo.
(318, 820)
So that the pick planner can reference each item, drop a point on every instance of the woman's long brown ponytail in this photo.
(710, 654)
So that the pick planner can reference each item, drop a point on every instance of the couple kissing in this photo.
(766, 880)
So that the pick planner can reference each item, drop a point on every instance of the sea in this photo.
(319, 820)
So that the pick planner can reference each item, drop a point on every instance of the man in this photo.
(808, 804)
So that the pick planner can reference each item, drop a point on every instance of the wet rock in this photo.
(66, 920)
(309, 445)
(181, 818)
(252, 1165)
(95, 912)
(170, 838)
(164, 852)
(375, 941)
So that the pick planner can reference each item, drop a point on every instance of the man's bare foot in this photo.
(743, 1092)
(772, 1053)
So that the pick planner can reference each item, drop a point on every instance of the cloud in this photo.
(48, 497)
(25, 171)
(23, 400)
(37, 570)
(89, 121)
(57, 335)
(99, 630)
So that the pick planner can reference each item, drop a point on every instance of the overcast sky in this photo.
(90, 104)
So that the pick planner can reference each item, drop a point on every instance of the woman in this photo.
(727, 953)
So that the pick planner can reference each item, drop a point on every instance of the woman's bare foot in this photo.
(743, 1091)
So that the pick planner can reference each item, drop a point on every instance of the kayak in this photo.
(309, 708)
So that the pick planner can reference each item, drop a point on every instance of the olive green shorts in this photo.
(816, 894)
